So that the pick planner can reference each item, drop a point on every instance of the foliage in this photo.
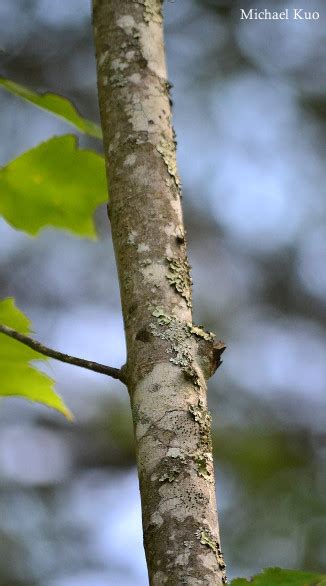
(57, 105)
(17, 375)
(279, 577)
(55, 184)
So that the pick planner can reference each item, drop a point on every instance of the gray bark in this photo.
(168, 359)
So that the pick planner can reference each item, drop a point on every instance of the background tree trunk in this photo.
(169, 360)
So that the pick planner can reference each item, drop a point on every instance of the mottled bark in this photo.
(168, 359)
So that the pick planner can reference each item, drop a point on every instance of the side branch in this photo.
(89, 364)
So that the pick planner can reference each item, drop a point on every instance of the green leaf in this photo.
(54, 184)
(17, 376)
(279, 577)
(55, 104)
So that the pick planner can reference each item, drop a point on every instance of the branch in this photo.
(35, 345)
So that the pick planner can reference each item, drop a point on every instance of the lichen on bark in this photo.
(179, 277)
(169, 359)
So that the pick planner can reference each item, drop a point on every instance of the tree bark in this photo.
(168, 359)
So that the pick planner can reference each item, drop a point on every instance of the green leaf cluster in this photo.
(279, 577)
(56, 185)
(18, 377)
(57, 105)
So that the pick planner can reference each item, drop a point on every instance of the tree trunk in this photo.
(168, 359)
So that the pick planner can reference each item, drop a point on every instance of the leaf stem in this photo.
(89, 364)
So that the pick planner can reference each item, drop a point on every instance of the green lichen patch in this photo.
(170, 476)
(168, 327)
(179, 277)
(207, 538)
(191, 373)
(182, 354)
(204, 465)
(152, 10)
(203, 457)
(176, 453)
(201, 332)
(166, 148)
(201, 415)
(162, 317)
(178, 333)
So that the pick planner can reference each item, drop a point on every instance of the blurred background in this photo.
(249, 111)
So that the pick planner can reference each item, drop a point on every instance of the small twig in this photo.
(89, 364)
